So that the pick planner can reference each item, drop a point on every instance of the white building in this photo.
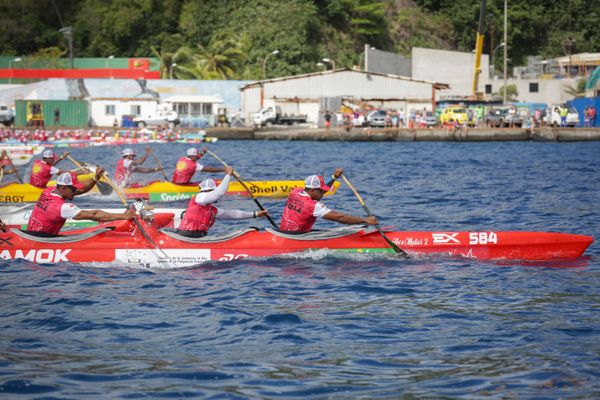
(307, 94)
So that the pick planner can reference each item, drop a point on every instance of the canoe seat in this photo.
(207, 239)
(76, 237)
(318, 234)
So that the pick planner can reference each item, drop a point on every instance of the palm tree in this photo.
(221, 59)
(182, 57)
(578, 90)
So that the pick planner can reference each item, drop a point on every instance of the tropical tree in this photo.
(577, 90)
(221, 59)
(182, 58)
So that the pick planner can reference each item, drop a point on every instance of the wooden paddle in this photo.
(136, 219)
(239, 179)
(159, 165)
(370, 214)
(103, 187)
(15, 168)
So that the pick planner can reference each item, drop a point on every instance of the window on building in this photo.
(534, 87)
(135, 109)
(196, 109)
(109, 109)
(488, 89)
(207, 108)
(181, 108)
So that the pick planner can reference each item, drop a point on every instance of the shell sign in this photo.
(139, 63)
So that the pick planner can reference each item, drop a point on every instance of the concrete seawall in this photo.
(418, 135)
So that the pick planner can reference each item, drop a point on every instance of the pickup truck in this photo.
(553, 116)
(169, 118)
(272, 116)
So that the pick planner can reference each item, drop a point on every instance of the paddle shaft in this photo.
(135, 220)
(370, 214)
(101, 186)
(16, 170)
(239, 179)
(159, 165)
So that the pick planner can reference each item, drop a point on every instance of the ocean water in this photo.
(330, 326)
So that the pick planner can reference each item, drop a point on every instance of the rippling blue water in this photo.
(324, 325)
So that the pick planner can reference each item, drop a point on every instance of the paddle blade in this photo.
(104, 188)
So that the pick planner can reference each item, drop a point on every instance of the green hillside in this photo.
(220, 39)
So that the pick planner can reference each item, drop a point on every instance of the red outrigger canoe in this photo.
(123, 243)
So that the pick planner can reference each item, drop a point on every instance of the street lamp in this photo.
(329, 61)
(67, 32)
(171, 70)
(9, 67)
(493, 68)
(273, 53)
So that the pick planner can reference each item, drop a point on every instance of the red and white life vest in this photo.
(184, 170)
(122, 174)
(298, 212)
(198, 217)
(46, 215)
(40, 174)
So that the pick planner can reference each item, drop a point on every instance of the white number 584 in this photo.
(483, 237)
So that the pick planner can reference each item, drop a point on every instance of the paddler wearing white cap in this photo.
(303, 206)
(187, 166)
(201, 211)
(128, 164)
(53, 207)
(42, 170)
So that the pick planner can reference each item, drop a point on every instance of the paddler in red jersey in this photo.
(187, 166)
(127, 165)
(303, 207)
(5, 163)
(42, 170)
(53, 207)
(201, 212)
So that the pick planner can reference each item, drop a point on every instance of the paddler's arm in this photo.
(349, 219)
(145, 170)
(103, 216)
(213, 196)
(239, 214)
(91, 183)
(143, 158)
(212, 169)
(336, 175)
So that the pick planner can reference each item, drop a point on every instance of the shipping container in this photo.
(51, 113)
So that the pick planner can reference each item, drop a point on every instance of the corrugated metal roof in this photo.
(438, 85)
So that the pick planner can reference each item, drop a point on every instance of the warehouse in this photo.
(314, 94)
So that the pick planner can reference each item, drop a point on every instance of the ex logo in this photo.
(6, 240)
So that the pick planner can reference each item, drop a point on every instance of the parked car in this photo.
(497, 117)
(454, 114)
(377, 118)
(6, 115)
(430, 119)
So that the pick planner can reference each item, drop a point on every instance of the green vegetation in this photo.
(212, 39)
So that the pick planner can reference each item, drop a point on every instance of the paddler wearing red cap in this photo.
(128, 164)
(303, 206)
(42, 170)
(53, 207)
(201, 212)
(187, 166)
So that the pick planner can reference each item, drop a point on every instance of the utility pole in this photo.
(67, 31)
(505, 47)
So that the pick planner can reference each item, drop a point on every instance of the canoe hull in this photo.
(163, 191)
(126, 245)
